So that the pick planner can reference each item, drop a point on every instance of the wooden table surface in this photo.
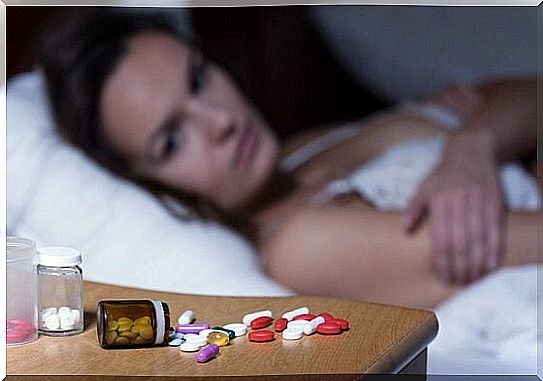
(382, 339)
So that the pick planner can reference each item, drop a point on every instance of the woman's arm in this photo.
(361, 253)
(462, 197)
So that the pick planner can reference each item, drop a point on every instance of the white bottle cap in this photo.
(58, 256)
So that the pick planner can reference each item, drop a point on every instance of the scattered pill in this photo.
(195, 339)
(280, 325)
(298, 311)
(344, 324)
(175, 342)
(261, 336)
(207, 353)
(239, 329)
(297, 324)
(311, 327)
(248, 318)
(186, 317)
(218, 338)
(178, 335)
(326, 316)
(292, 334)
(307, 317)
(191, 328)
(231, 334)
(328, 328)
(189, 347)
(261, 322)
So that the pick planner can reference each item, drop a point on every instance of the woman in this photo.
(138, 97)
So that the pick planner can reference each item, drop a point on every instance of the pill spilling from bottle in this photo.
(291, 326)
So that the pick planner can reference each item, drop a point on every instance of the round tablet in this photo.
(292, 334)
(239, 329)
(328, 328)
(261, 336)
(189, 347)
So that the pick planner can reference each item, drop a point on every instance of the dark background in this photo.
(274, 53)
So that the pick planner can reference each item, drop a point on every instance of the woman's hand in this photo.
(463, 203)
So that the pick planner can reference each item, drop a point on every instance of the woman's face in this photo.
(185, 124)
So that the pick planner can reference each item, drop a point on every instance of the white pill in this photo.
(175, 342)
(76, 315)
(178, 335)
(297, 324)
(48, 312)
(298, 311)
(67, 323)
(195, 339)
(239, 329)
(52, 322)
(186, 317)
(189, 347)
(311, 327)
(64, 312)
(292, 334)
(205, 332)
(247, 319)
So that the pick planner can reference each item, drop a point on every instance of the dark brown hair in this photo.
(77, 55)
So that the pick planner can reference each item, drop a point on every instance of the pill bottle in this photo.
(132, 323)
(21, 298)
(60, 291)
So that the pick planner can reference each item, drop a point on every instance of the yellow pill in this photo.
(146, 332)
(112, 325)
(125, 319)
(123, 327)
(129, 334)
(144, 320)
(110, 337)
(219, 338)
(136, 329)
(122, 341)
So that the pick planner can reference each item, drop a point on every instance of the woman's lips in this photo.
(246, 146)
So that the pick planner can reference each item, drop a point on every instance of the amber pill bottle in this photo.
(132, 323)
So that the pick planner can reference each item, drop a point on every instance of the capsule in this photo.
(248, 318)
(207, 353)
(328, 328)
(298, 311)
(218, 338)
(280, 325)
(231, 334)
(191, 328)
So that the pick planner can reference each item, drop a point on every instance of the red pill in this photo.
(280, 325)
(261, 322)
(261, 336)
(326, 316)
(328, 328)
(307, 317)
(344, 324)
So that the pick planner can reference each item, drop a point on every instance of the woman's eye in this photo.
(198, 75)
(171, 144)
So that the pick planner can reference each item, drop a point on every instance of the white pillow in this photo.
(57, 196)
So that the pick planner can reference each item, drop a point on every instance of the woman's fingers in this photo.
(462, 254)
(475, 236)
(493, 233)
(439, 236)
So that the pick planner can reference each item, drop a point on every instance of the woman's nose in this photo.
(215, 121)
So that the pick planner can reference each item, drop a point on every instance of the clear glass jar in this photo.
(132, 323)
(21, 299)
(60, 291)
